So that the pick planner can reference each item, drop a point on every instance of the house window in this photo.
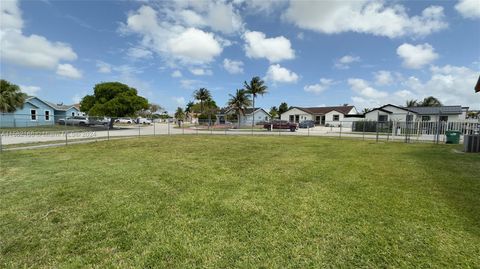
(291, 118)
(336, 117)
(443, 118)
(73, 114)
(409, 117)
(33, 114)
(425, 118)
(382, 118)
(47, 115)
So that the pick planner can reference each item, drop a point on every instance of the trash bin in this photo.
(453, 137)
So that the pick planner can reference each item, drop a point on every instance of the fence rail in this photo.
(66, 130)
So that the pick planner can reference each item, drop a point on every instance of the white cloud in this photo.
(371, 17)
(469, 8)
(366, 96)
(103, 67)
(276, 73)
(263, 6)
(176, 74)
(233, 67)
(180, 101)
(201, 72)
(345, 61)
(69, 71)
(194, 45)
(416, 57)
(383, 77)
(217, 15)
(452, 85)
(274, 49)
(189, 83)
(172, 41)
(139, 53)
(319, 87)
(28, 50)
(30, 90)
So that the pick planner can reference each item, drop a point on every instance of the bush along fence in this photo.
(43, 129)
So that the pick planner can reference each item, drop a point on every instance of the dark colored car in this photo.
(307, 124)
(280, 124)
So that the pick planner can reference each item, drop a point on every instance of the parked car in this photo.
(307, 124)
(281, 124)
(143, 121)
(124, 120)
(98, 121)
(76, 120)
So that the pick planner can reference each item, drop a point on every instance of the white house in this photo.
(258, 113)
(333, 115)
(427, 114)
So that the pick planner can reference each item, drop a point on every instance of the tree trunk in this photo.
(253, 113)
(110, 125)
(238, 118)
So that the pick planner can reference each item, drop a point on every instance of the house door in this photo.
(297, 118)
(317, 120)
(323, 120)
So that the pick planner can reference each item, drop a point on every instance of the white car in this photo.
(143, 121)
(124, 120)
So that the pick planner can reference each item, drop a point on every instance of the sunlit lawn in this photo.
(223, 202)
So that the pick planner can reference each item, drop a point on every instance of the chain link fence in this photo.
(20, 131)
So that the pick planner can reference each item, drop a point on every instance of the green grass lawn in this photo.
(223, 202)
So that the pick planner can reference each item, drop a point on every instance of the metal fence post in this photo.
(308, 130)
(363, 135)
(154, 128)
(168, 126)
(377, 131)
(1, 144)
(340, 134)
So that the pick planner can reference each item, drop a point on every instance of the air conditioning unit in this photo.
(471, 143)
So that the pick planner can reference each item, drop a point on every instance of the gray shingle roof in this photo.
(435, 110)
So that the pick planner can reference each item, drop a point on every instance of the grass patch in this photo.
(223, 202)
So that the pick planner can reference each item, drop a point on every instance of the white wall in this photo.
(259, 114)
(295, 111)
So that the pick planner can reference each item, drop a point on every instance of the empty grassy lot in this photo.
(223, 202)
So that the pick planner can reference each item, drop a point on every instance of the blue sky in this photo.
(365, 53)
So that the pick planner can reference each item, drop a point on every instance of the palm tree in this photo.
(11, 97)
(255, 88)
(430, 101)
(366, 110)
(274, 112)
(411, 103)
(202, 95)
(179, 116)
(239, 102)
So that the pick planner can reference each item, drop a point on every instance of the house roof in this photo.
(247, 111)
(52, 105)
(435, 110)
(61, 107)
(324, 110)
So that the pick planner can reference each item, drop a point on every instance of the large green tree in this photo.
(11, 97)
(256, 87)
(202, 95)
(113, 99)
(411, 103)
(239, 102)
(179, 116)
(282, 108)
(430, 101)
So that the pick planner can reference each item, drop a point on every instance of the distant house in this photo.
(258, 113)
(37, 112)
(428, 114)
(331, 115)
